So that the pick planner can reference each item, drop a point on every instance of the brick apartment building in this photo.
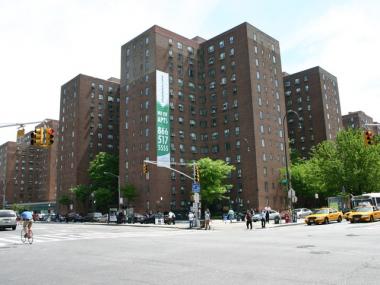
(356, 120)
(7, 165)
(226, 102)
(314, 95)
(35, 170)
(88, 124)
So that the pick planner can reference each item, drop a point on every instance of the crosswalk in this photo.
(12, 238)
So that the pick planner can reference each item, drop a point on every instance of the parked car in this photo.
(103, 218)
(8, 219)
(58, 218)
(364, 214)
(138, 218)
(74, 217)
(151, 219)
(93, 217)
(273, 215)
(303, 212)
(324, 216)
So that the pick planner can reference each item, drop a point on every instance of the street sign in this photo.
(196, 188)
(291, 193)
(196, 197)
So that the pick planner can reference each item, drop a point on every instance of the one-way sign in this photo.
(196, 188)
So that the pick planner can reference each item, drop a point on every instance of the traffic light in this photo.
(368, 138)
(32, 138)
(196, 173)
(39, 136)
(49, 136)
(145, 168)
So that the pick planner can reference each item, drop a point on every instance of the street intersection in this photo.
(338, 253)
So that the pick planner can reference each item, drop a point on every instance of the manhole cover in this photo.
(320, 252)
(305, 246)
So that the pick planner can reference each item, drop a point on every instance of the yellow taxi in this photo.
(324, 216)
(364, 214)
(346, 215)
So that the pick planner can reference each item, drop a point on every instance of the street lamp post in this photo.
(4, 191)
(288, 182)
(118, 187)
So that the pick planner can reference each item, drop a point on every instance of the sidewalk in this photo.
(215, 225)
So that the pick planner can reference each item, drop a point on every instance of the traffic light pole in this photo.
(196, 203)
(20, 124)
(173, 169)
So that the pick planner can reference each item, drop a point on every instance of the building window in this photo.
(231, 40)
(211, 49)
(221, 44)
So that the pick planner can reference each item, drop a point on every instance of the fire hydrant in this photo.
(287, 218)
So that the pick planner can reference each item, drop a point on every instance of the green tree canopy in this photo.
(213, 174)
(347, 163)
(129, 191)
(82, 192)
(104, 162)
(104, 198)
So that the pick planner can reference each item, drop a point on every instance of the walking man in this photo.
(191, 219)
(207, 219)
(248, 219)
(263, 214)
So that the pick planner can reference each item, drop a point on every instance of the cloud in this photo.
(345, 42)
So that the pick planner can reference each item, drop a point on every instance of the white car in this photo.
(303, 212)
(8, 219)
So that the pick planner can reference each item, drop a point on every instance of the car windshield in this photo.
(322, 211)
(363, 209)
(7, 214)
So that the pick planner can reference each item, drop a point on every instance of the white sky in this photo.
(45, 43)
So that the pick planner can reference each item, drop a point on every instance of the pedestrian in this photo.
(263, 213)
(191, 219)
(171, 217)
(267, 216)
(207, 219)
(248, 219)
(231, 214)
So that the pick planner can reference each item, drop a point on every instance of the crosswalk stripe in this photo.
(65, 235)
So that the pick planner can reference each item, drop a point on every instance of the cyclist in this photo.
(27, 218)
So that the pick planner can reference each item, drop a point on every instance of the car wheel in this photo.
(339, 219)
(352, 221)
(308, 223)
(326, 220)
(13, 228)
(371, 219)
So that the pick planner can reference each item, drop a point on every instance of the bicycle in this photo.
(26, 237)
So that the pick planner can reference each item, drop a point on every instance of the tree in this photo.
(104, 162)
(104, 198)
(65, 200)
(103, 184)
(347, 163)
(82, 193)
(212, 174)
(129, 192)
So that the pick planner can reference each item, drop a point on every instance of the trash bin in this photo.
(276, 220)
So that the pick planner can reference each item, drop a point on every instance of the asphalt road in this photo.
(99, 254)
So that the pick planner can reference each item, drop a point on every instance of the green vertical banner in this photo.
(163, 121)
